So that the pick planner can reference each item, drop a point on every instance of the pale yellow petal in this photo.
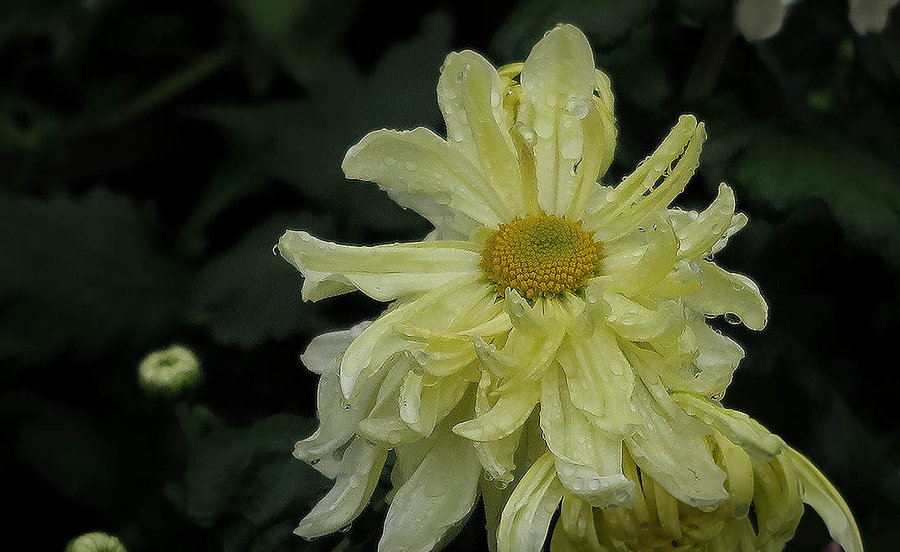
(727, 293)
(558, 106)
(421, 171)
(470, 95)
(655, 183)
(530, 508)
(383, 272)
(361, 467)
(506, 416)
(588, 460)
(438, 495)
(819, 493)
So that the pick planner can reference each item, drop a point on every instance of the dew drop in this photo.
(732, 318)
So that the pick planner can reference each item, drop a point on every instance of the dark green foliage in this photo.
(151, 153)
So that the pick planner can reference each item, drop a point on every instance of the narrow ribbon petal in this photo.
(725, 292)
(819, 493)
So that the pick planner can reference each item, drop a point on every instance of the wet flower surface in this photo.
(547, 346)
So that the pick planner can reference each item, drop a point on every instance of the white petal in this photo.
(323, 354)
(383, 272)
(361, 468)
(870, 16)
(440, 494)
(760, 19)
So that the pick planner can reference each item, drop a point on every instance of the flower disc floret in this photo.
(540, 256)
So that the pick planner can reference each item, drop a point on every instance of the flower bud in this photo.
(95, 542)
(170, 372)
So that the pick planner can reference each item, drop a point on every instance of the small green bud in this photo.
(95, 542)
(170, 372)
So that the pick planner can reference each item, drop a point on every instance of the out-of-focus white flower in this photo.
(170, 372)
(870, 16)
(95, 542)
(760, 19)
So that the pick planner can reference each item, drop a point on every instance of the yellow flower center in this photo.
(540, 256)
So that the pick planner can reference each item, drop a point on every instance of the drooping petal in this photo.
(638, 261)
(737, 426)
(383, 272)
(655, 183)
(671, 447)
(440, 494)
(698, 237)
(527, 514)
(575, 530)
(588, 460)
(777, 502)
(421, 171)
(377, 343)
(819, 493)
(360, 469)
(725, 292)
(600, 380)
(506, 416)
(568, 128)
(470, 95)
(323, 354)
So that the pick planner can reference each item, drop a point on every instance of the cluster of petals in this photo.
(601, 403)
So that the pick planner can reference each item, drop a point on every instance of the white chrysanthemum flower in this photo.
(762, 19)
(95, 542)
(169, 372)
(539, 334)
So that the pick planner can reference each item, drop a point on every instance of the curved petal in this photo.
(383, 272)
(588, 460)
(575, 531)
(738, 427)
(440, 494)
(527, 514)
(377, 343)
(640, 260)
(323, 354)
(470, 95)
(418, 164)
(558, 81)
(725, 292)
(506, 416)
(698, 237)
(672, 448)
(819, 493)
(360, 469)
(656, 182)
(600, 380)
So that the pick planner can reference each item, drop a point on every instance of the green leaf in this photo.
(80, 275)
(247, 294)
(245, 485)
(782, 170)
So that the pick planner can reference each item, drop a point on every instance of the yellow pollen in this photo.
(540, 256)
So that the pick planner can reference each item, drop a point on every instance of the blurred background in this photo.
(151, 153)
